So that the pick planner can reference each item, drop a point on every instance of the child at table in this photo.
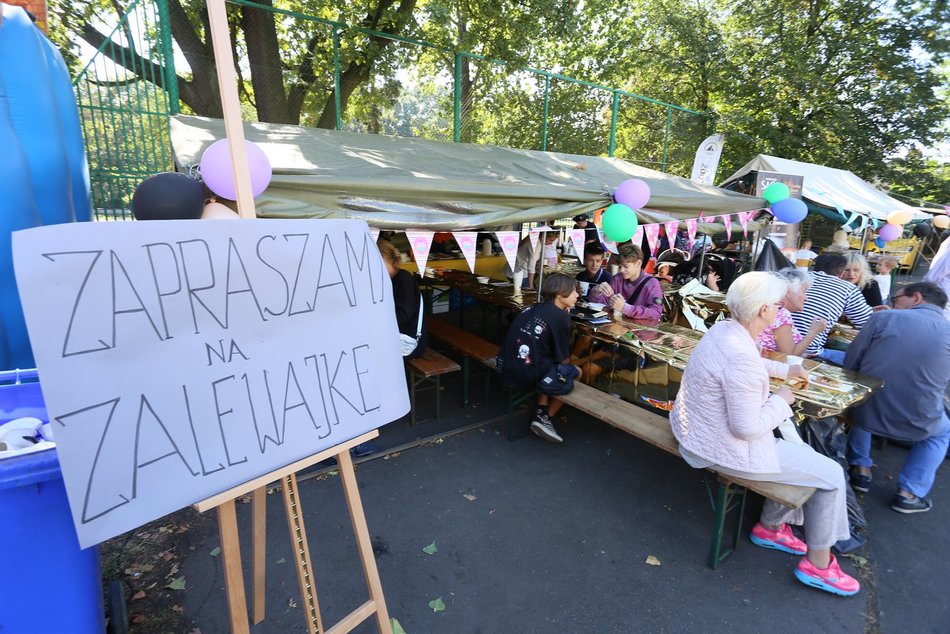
(593, 273)
(883, 278)
(632, 291)
(535, 353)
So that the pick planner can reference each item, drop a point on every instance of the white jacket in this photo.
(723, 412)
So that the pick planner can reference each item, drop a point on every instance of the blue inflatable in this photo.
(44, 178)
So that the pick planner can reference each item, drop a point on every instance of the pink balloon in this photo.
(889, 232)
(217, 174)
(633, 193)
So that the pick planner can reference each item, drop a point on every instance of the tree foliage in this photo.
(846, 83)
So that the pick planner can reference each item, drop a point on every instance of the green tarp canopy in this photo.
(398, 182)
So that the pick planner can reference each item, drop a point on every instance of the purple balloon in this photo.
(633, 193)
(789, 210)
(217, 174)
(889, 232)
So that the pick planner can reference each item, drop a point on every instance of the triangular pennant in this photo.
(577, 236)
(671, 227)
(744, 217)
(610, 245)
(727, 223)
(466, 242)
(691, 231)
(509, 245)
(637, 239)
(653, 237)
(420, 242)
(534, 236)
(375, 233)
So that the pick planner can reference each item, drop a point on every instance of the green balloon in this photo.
(776, 192)
(619, 222)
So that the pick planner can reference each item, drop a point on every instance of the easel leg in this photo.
(258, 547)
(298, 541)
(363, 543)
(231, 560)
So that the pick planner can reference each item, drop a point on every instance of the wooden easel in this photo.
(224, 502)
(231, 552)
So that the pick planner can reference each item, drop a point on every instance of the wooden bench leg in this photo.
(728, 497)
(516, 398)
(438, 397)
(412, 398)
(466, 374)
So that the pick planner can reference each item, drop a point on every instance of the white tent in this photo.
(833, 189)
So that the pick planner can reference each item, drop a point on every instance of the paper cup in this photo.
(614, 269)
(482, 279)
(518, 279)
(793, 360)
(585, 287)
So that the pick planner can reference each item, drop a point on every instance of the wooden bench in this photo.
(428, 368)
(471, 347)
(726, 493)
(655, 429)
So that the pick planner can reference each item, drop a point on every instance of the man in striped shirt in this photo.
(830, 297)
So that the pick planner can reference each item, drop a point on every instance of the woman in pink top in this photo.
(724, 416)
(781, 335)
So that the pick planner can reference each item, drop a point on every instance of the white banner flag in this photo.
(577, 236)
(707, 160)
(420, 242)
(466, 242)
(509, 245)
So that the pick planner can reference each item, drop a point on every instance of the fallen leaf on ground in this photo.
(281, 561)
(653, 561)
(177, 584)
(178, 609)
(244, 499)
(216, 551)
(469, 497)
(491, 512)
(397, 628)
(197, 630)
(291, 603)
(138, 595)
(431, 549)
(437, 605)
(138, 618)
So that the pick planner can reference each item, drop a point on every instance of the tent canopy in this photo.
(397, 182)
(832, 190)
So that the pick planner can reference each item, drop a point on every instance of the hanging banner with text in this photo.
(179, 359)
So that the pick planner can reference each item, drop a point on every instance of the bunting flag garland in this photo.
(534, 236)
(466, 242)
(509, 245)
(691, 224)
(653, 237)
(637, 239)
(577, 236)
(610, 245)
(727, 223)
(671, 227)
(744, 218)
(420, 242)
(375, 233)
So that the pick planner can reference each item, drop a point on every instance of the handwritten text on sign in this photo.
(179, 359)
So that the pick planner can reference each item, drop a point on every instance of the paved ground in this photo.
(556, 539)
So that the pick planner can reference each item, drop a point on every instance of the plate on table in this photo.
(829, 383)
(501, 284)
(595, 305)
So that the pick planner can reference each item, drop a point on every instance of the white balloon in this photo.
(217, 211)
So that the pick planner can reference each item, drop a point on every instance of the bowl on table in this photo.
(483, 280)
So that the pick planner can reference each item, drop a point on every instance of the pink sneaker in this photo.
(783, 539)
(831, 579)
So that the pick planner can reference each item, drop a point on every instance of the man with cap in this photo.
(583, 222)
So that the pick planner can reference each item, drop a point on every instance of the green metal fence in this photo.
(129, 87)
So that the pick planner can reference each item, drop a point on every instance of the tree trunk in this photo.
(263, 53)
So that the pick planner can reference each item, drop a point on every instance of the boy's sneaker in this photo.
(859, 482)
(783, 539)
(543, 428)
(832, 579)
(910, 505)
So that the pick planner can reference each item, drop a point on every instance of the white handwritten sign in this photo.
(181, 358)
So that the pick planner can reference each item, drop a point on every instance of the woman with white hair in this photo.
(724, 417)
(858, 272)
(782, 335)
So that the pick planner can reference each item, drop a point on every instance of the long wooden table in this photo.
(643, 362)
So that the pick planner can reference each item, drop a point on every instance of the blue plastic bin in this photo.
(47, 584)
